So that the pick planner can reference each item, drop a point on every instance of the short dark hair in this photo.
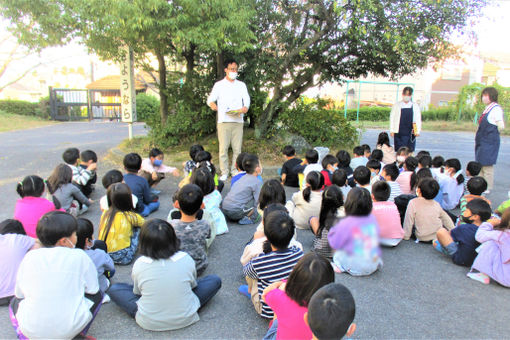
(329, 160)
(362, 175)
(250, 163)
(437, 161)
(381, 191)
(132, 162)
(366, 148)
(358, 150)
(53, 226)
(88, 155)
(480, 207)
(203, 156)
(194, 149)
(477, 185)
(422, 153)
(392, 171)
(312, 272)
(30, 186)
(71, 155)
(279, 229)
(339, 177)
(377, 154)
(11, 226)
(358, 202)
(312, 156)
(374, 164)
(491, 92)
(239, 160)
(289, 150)
(383, 139)
(331, 311)
(425, 161)
(272, 191)
(190, 198)
(408, 89)
(230, 61)
(344, 159)
(155, 152)
(202, 177)
(474, 168)
(112, 177)
(419, 175)
(84, 231)
(411, 163)
(158, 240)
(429, 188)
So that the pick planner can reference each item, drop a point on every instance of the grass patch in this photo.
(432, 125)
(12, 122)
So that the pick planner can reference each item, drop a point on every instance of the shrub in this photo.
(19, 107)
(146, 106)
(319, 126)
(370, 113)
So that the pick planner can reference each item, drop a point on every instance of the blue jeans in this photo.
(271, 332)
(122, 293)
(148, 208)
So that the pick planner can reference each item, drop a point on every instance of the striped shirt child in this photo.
(272, 267)
(395, 190)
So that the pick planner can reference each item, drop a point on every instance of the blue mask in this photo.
(158, 162)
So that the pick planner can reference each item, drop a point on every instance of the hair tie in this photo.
(457, 173)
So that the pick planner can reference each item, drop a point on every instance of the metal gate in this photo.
(79, 104)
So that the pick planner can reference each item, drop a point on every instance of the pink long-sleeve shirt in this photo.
(29, 210)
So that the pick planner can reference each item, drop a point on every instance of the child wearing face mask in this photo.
(452, 184)
(153, 169)
(329, 165)
(405, 121)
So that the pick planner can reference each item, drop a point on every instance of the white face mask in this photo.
(232, 75)
(407, 99)
(401, 159)
(72, 244)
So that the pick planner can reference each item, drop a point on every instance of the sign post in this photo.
(127, 89)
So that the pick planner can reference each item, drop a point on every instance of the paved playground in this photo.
(417, 294)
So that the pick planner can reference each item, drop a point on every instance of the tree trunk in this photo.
(163, 95)
(219, 66)
(268, 115)
(190, 62)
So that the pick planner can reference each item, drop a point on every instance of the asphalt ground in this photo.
(418, 293)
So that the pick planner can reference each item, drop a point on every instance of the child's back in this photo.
(69, 192)
(386, 214)
(427, 217)
(193, 236)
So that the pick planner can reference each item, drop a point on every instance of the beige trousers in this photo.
(254, 291)
(229, 134)
(487, 172)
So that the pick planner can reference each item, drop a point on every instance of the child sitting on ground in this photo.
(383, 144)
(437, 167)
(331, 210)
(60, 186)
(493, 259)
(14, 244)
(390, 174)
(289, 174)
(307, 203)
(452, 184)
(387, 215)
(289, 300)
(212, 201)
(366, 151)
(375, 169)
(344, 161)
(309, 164)
(147, 202)
(57, 292)
(472, 169)
(87, 158)
(81, 176)
(153, 169)
(329, 165)
(189, 165)
(277, 261)
(460, 243)
(31, 206)
(404, 179)
(424, 216)
(239, 168)
(355, 239)
(476, 187)
(192, 233)
(165, 294)
(331, 312)
(377, 155)
(402, 154)
(240, 203)
(424, 162)
(112, 177)
(102, 261)
(204, 158)
(339, 178)
(362, 176)
(120, 224)
(359, 158)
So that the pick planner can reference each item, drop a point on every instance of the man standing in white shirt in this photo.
(230, 98)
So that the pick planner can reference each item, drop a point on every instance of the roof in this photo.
(112, 83)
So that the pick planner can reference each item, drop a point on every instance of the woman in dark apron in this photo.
(487, 138)
(405, 121)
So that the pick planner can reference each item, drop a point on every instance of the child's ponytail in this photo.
(31, 186)
(315, 181)
(19, 189)
(454, 163)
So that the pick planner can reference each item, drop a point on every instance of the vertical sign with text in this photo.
(127, 87)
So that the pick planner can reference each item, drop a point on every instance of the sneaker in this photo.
(437, 246)
(223, 178)
(486, 192)
(245, 220)
(243, 289)
(155, 192)
(106, 298)
(480, 277)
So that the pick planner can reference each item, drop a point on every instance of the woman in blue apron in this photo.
(487, 136)
(405, 121)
